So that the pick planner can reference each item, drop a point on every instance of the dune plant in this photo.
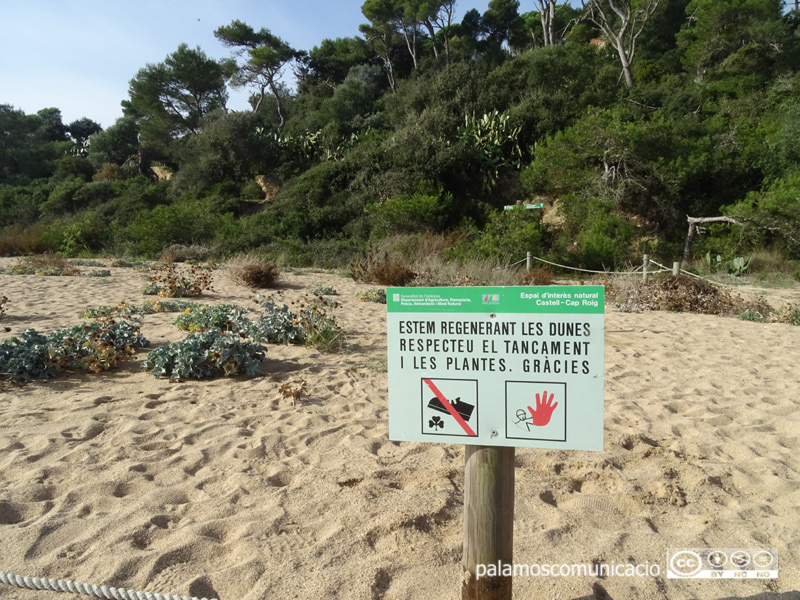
(204, 355)
(226, 317)
(374, 295)
(43, 264)
(170, 281)
(93, 347)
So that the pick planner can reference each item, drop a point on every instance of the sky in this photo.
(79, 55)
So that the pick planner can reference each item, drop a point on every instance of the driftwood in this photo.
(693, 223)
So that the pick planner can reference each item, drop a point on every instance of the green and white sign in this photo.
(497, 366)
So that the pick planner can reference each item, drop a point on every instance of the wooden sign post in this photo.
(488, 520)
(495, 368)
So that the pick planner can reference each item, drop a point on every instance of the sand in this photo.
(226, 489)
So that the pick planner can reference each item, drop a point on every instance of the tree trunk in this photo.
(626, 65)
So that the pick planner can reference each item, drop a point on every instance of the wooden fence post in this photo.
(488, 522)
(676, 268)
(528, 261)
(645, 264)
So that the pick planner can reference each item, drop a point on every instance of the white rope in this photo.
(590, 271)
(74, 587)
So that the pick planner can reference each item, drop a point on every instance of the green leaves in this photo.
(94, 347)
(212, 353)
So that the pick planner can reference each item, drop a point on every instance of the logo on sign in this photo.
(491, 298)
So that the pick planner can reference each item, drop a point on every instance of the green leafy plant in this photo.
(211, 353)
(94, 347)
(98, 273)
(122, 310)
(752, 315)
(495, 140)
(159, 306)
(86, 262)
(374, 295)
(323, 290)
(225, 317)
(738, 265)
(312, 326)
(43, 264)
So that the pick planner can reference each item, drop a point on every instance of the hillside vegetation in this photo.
(411, 136)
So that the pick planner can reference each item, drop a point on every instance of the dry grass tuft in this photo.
(536, 276)
(184, 253)
(44, 264)
(252, 271)
(382, 268)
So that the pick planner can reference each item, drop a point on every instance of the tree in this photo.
(718, 30)
(440, 14)
(380, 33)
(498, 21)
(115, 144)
(622, 22)
(331, 61)
(82, 129)
(267, 55)
(170, 99)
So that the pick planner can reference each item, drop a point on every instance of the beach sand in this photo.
(225, 489)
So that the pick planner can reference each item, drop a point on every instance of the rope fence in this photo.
(74, 587)
(645, 272)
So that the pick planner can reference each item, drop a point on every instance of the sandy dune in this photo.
(225, 489)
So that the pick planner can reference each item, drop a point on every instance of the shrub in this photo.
(320, 289)
(312, 326)
(94, 347)
(184, 253)
(374, 295)
(252, 271)
(173, 282)
(83, 262)
(382, 268)
(121, 310)
(98, 273)
(158, 306)
(225, 317)
(43, 264)
(752, 315)
(536, 276)
(211, 353)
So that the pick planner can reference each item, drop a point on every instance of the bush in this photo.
(253, 271)
(94, 347)
(382, 268)
(427, 209)
(184, 253)
(173, 282)
(536, 276)
(312, 326)
(225, 317)
(212, 353)
(43, 264)
(374, 295)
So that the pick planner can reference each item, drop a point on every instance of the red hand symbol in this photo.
(544, 409)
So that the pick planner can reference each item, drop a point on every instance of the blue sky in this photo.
(79, 55)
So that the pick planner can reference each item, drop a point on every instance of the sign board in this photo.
(525, 206)
(497, 366)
